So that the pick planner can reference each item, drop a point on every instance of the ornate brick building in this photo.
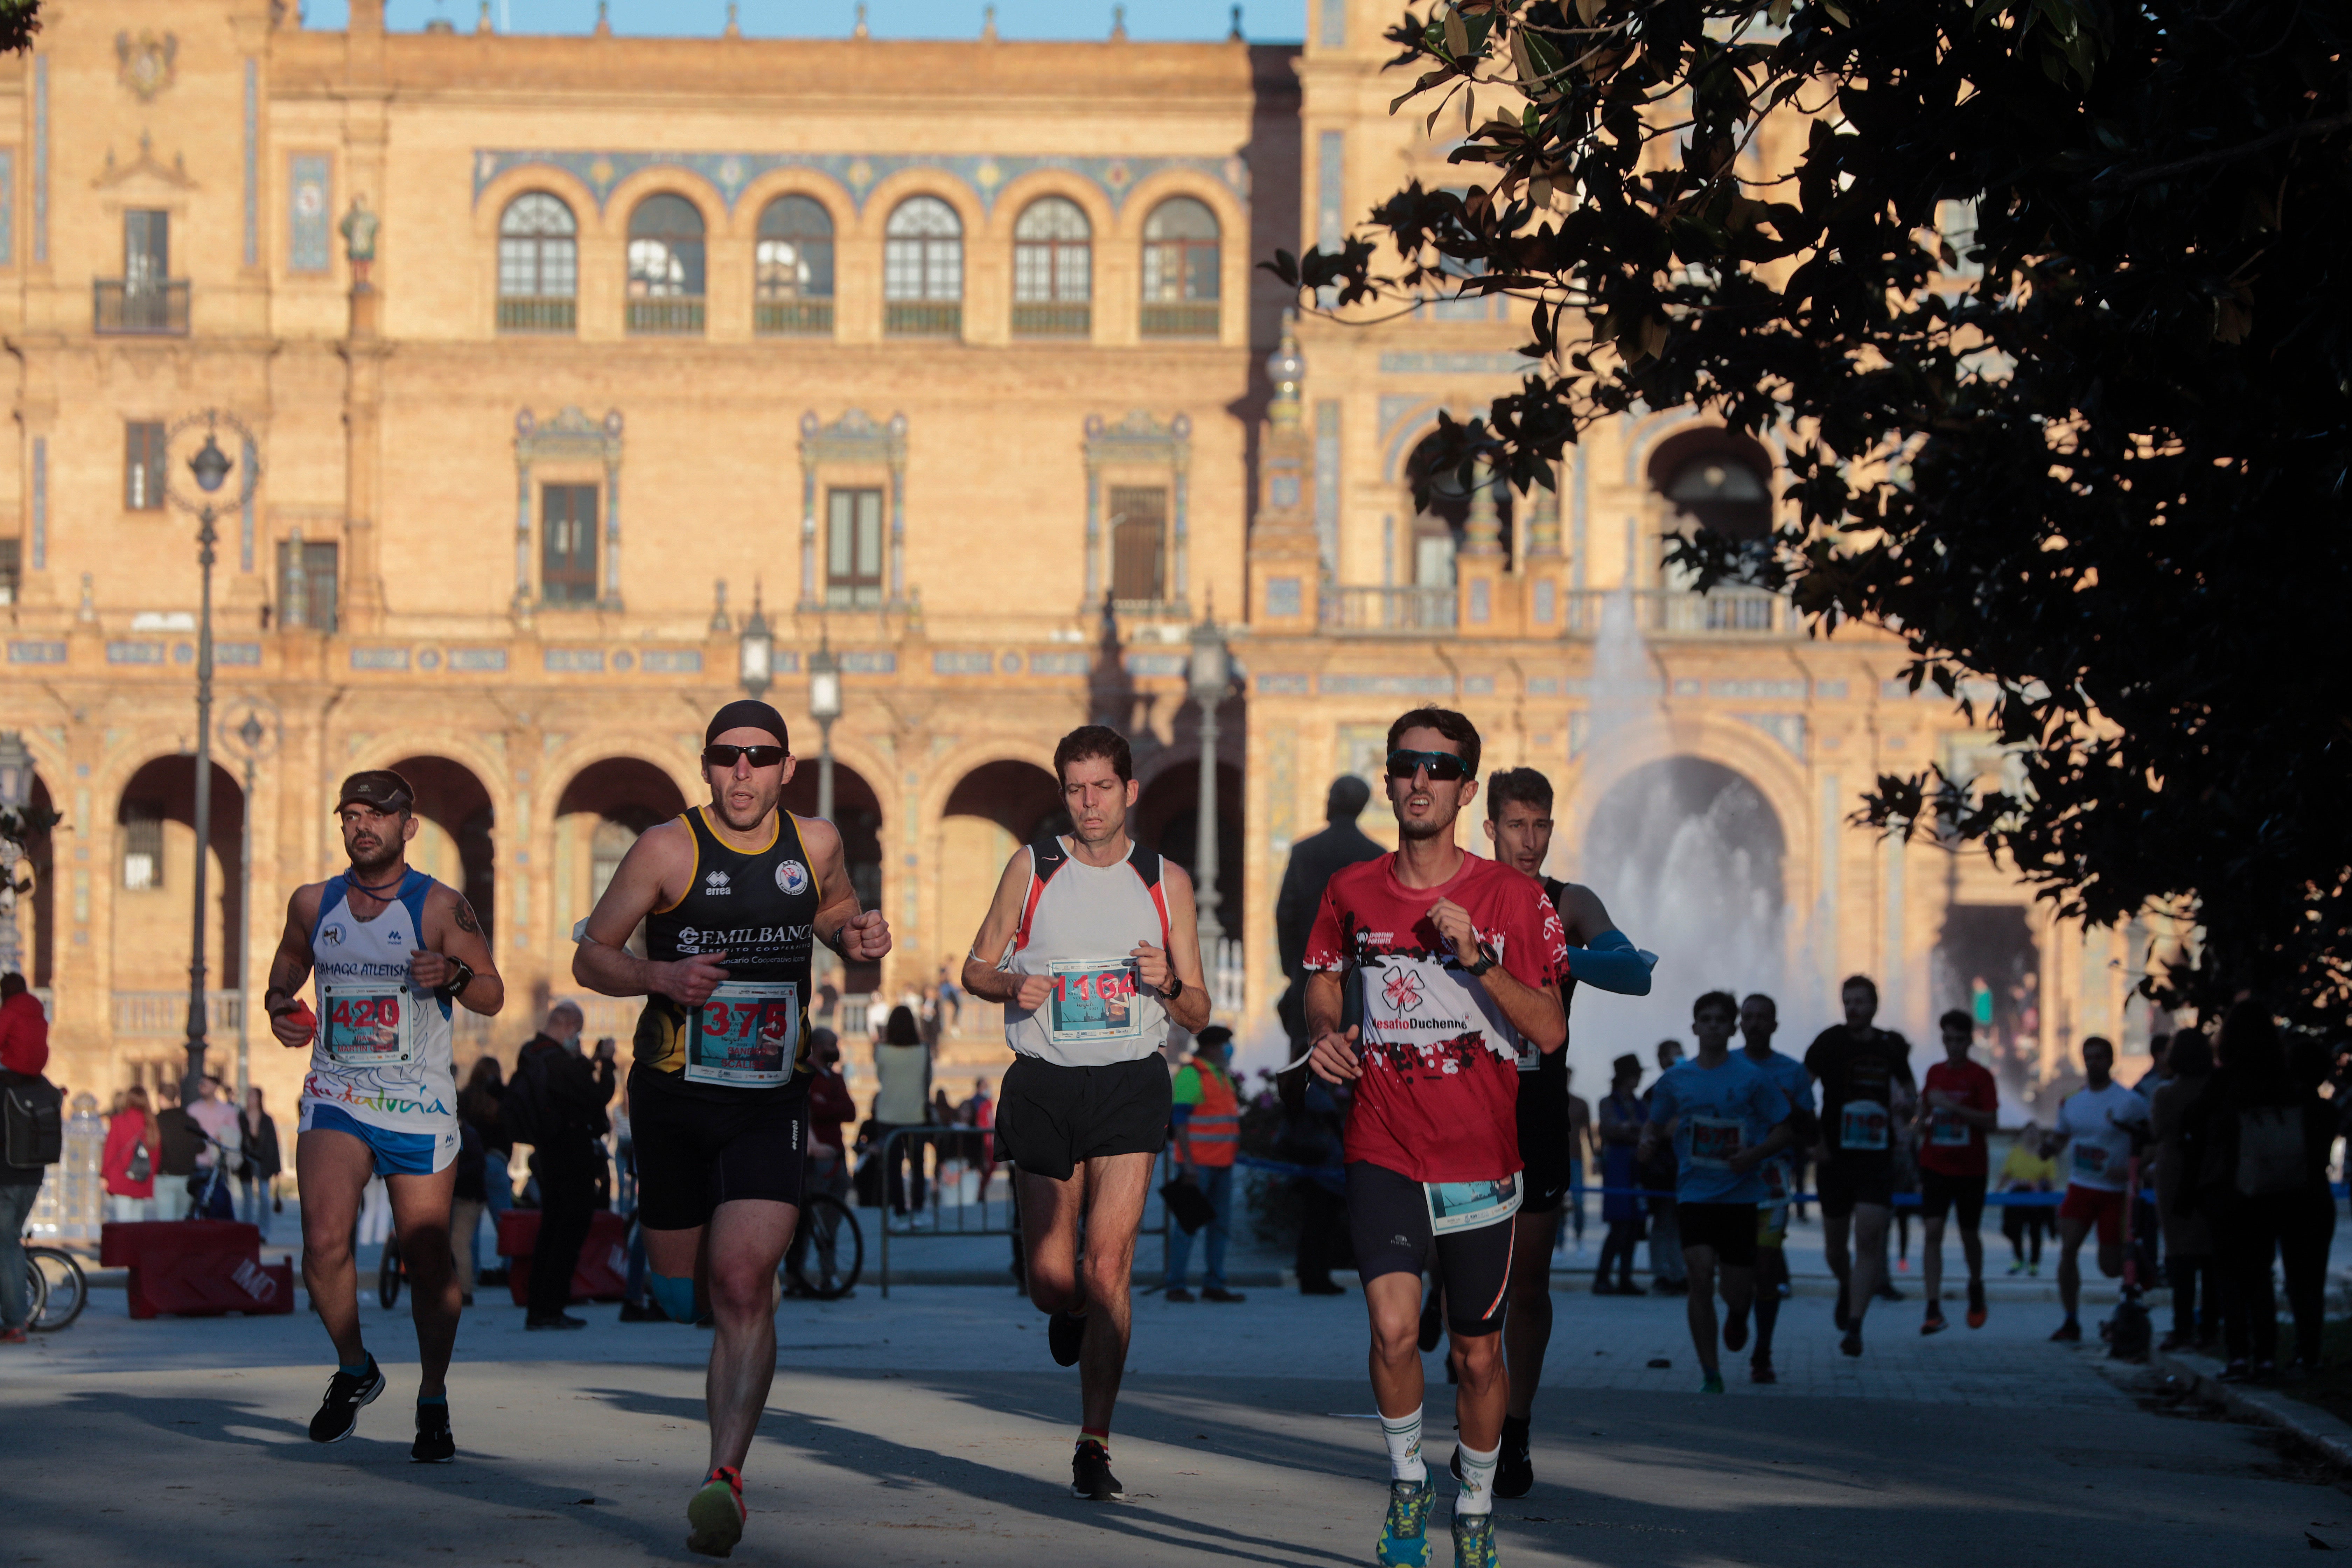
(560, 360)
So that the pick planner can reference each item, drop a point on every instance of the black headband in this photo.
(747, 713)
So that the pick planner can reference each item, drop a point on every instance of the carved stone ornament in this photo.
(146, 62)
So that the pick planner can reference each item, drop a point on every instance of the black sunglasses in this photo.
(718, 756)
(1444, 767)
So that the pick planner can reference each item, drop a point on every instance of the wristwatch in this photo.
(452, 988)
(1486, 960)
(1175, 987)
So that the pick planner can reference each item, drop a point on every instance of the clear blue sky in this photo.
(1266, 21)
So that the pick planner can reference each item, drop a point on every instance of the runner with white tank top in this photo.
(1092, 947)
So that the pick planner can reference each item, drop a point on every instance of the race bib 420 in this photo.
(747, 1035)
(367, 1026)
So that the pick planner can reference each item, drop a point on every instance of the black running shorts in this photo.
(1545, 1143)
(1844, 1180)
(1940, 1194)
(1728, 1229)
(1050, 1118)
(695, 1153)
(1388, 1217)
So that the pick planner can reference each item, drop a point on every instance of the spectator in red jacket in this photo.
(24, 1028)
(129, 1180)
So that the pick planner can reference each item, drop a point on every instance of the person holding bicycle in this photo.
(23, 1052)
(395, 954)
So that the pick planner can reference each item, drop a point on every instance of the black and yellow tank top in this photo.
(759, 908)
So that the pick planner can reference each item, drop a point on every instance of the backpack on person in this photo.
(32, 1121)
(2271, 1156)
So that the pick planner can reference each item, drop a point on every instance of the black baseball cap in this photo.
(747, 713)
(380, 788)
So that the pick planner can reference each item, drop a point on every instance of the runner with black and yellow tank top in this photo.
(734, 896)
(1519, 826)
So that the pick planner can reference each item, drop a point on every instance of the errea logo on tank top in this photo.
(716, 885)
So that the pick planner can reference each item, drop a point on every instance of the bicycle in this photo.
(831, 1231)
(59, 1289)
(390, 1273)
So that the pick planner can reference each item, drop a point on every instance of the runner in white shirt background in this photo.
(2094, 1130)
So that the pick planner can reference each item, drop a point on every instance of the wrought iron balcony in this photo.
(163, 1014)
(667, 315)
(525, 314)
(793, 317)
(1184, 318)
(139, 308)
(1046, 319)
(922, 319)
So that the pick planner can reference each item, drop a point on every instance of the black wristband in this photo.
(451, 989)
(1175, 987)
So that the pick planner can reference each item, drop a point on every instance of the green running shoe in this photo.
(1713, 1385)
(1404, 1536)
(716, 1513)
(1473, 1542)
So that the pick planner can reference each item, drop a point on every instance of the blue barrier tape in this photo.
(1902, 1200)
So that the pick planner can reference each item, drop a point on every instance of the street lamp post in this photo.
(15, 790)
(1212, 672)
(755, 653)
(254, 740)
(824, 707)
(210, 467)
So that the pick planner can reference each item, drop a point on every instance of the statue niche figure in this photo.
(358, 229)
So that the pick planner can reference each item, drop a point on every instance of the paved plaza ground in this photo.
(932, 1429)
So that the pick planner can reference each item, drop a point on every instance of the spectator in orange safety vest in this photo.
(1207, 1121)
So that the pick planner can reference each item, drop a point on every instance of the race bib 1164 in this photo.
(1094, 1001)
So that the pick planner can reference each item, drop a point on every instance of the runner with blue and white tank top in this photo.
(1091, 945)
(391, 954)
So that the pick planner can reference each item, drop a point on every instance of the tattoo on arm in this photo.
(466, 920)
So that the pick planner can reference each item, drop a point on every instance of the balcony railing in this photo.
(1670, 612)
(922, 319)
(552, 313)
(1185, 318)
(1046, 319)
(1419, 609)
(148, 310)
(793, 317)
(668, 316)
(163, 1014)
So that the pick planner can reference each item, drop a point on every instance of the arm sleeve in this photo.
(1613, 963)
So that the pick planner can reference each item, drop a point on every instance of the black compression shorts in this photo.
(1050, 1118)
(1388, 1217)
(1728, 1229)
(1545, 1143)
(1844, 1180)
(1939, 1193)
(695, 1153)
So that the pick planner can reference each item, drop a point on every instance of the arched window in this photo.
(666, 265)
(538, 265)
(1053, 270)
(1181, 265)
(792, 269)
(922, 271)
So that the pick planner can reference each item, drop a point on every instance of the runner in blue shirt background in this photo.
(1759, 1016)
(1728, 1117)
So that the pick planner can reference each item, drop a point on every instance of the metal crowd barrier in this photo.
(955, 1207)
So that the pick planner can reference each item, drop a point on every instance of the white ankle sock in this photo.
(1403, 1435)
(1477, 1493)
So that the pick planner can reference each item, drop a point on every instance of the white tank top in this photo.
(1082, 925)
(381, 1055)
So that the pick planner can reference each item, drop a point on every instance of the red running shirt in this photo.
(1438, 1099)
(1953, 1148)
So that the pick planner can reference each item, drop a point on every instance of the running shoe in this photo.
(1473, 1542)
(433, 1445)
(1713, 1384)
(1761, 1371)
(1090, 1476)
(2033, 1270)
(1735, 1331)
(1838, 1314)
(1219, 1293)
(1976, 1304)
(1177, 1293)
(1064, 1336)
(715, 1514)
(2016, 1268)
(1601, 1287)
(1887, 1292)
(1432, 1322)
(2068, 1333)
(1851, 1343)
(13, 1335)
(1404, 1535)
(339, 1413)
(1515, 1472)
(1934, 1323)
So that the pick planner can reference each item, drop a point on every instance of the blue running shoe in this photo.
(1473, 1542)
(1404, 1536)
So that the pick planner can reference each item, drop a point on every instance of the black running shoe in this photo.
(1515, 1472)
(433, 1445)
(1064, 1335)
(1838, 1313)
(1090, 1476)
(1851, 1343)
(1735, 1332)
(1936, 1323)
(339, 1413)
(1433, 1321)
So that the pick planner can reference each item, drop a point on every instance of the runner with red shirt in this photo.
(1449, 963)
(1958, 1106)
